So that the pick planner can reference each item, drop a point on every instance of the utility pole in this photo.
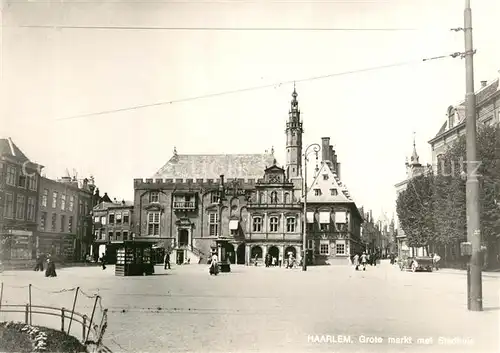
(474, 281)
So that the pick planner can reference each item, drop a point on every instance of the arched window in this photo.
(451, 117)
(287, 198)
(274, 197)
(262, 197)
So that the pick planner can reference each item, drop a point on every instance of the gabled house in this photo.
(333, 220)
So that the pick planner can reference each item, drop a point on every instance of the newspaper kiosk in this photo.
(134, 258)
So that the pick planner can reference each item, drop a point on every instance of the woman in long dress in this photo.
(51, 268)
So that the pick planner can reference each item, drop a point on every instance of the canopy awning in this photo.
(310, 217)
(233, 224)
(324, 217)
(340, 217)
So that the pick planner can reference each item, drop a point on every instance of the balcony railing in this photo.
(275, 205)
(184, 205)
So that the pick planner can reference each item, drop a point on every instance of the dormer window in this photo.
(325, 176)
(334, 192)
(451, 118)
(317, 192)
(154, 197)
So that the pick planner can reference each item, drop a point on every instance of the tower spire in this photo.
(294, 133)
(414, 156)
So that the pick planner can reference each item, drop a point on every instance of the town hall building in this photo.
(181, 210)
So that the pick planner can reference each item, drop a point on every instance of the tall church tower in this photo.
(294, 133)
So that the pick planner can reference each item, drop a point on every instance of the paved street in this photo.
(273, 309)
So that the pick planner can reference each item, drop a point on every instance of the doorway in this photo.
(290, 249)
(241, 254)
(274, 252)
(230, 255)
(180, 257)
(183, 237)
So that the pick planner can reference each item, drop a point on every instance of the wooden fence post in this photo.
(92, 318)
(26, 314)
(31, 314)
(62, 319)
(73, 310)
(84, 325)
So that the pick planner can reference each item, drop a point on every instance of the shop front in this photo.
(17, 245)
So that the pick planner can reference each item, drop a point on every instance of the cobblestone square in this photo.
(330, 308)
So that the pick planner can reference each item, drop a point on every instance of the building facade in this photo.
(64, 210)
(19, 185)
(113, 222)
(260, 211)
(488, 112)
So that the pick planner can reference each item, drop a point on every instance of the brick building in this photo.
(63, 221)
(180, 206)
(333, 219)
(19, 183)
(113, 222)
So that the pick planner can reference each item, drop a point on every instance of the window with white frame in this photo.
(20, 208)
(125, 217)
(214, 197)
(43, 220)
(340, 247)
(11, 176)
(286, 199)
(273, 224)
(31, 209)
(54, 199)
(154, 197)
(290, 224)
(63, 202)
(22, 181)
(118, 235)
(118, 218)
(125, 235)
(103, 220)
(71, 203)
(110, 236)
(111, 218)
(310, 244)
(257, 224)
(9, 206)
(32, 182)
(45, 197)
(324, 247)
(153, 223)
(213, 224)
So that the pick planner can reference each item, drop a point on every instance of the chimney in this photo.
(325, 149)
(123, 202)
(484, 83)
(337, 166)
(331, 154)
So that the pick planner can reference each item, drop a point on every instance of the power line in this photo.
(274, 85)
(246, 29)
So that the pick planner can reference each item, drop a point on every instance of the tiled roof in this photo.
(9, 148)
(206, 166)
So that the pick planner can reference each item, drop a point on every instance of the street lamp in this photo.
(315, 149)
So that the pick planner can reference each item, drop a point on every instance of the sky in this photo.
(50, 75)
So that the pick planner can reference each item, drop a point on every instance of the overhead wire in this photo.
(241, 90)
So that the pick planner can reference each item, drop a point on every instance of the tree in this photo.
(414, 207)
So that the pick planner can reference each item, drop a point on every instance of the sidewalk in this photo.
(31, 264)
(464, 272)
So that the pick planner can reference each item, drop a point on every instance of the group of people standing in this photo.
(273, 261)
(363, 260)
(51, 265)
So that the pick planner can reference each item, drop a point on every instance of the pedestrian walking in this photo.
(51, 268)
(364, 260)
(166, 260)
(39, 263)
(214, 265)
(356, 262)
(103, 261)
(435, 260)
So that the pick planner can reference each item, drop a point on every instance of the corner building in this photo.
(180, 209)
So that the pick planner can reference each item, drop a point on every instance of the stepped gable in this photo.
(325, 185)
(9, 148)
(207, 166)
